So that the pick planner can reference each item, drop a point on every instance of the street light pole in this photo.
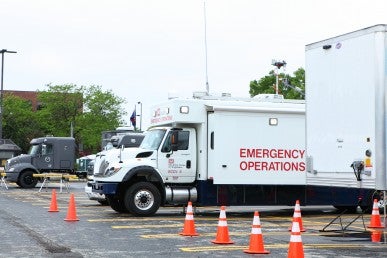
(1, 89)
(277, 64)
(140, 113)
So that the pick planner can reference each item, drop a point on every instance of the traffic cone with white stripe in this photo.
(222, 236)
(375, 217)
(189, 224)
(296, 249)
(256, 239)
(297, 216)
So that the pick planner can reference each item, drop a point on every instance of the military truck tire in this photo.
(116, 204)
(26, 180)
(142, 199)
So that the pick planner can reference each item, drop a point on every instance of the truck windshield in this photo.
(34, 149)
(152, 139)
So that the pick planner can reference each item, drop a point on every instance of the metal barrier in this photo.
(2, 182)
(64, 179)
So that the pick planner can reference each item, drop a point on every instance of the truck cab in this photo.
(166, 156)
(115, 150)
(46, 154)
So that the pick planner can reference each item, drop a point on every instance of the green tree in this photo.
(266, 85)
(102, 111)
(20, 123)
(86, 110)
(61, 105)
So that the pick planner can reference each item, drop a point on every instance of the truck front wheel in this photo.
(26, 180)
(116, 204)
(142, 199)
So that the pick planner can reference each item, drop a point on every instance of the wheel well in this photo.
(142, 174)
(27, 170)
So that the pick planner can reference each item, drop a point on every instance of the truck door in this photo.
(179, 165)
(44, 159)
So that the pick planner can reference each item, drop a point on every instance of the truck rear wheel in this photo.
(26, 180)
(142, 199)
(347, 209)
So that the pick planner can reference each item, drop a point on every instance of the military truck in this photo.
(46, 154)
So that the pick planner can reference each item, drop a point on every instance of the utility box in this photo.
(346, 110)
(8, 149)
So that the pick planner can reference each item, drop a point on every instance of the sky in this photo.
(148, 50)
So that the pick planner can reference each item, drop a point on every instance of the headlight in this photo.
(111, 171)
(11, 169)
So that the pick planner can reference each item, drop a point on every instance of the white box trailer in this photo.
(257, 144)
(218, 151)
(346, 110)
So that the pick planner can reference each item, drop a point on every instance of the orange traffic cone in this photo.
(297, 216)
(189, 225)
(71, 211)
(375, 217)
(222, 236)
(256, 239)
(296, 249)
(376, 236)
(53, 205)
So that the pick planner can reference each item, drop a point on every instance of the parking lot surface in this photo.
(30, 230)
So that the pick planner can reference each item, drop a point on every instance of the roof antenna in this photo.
(205, 46)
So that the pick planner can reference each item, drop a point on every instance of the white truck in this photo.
(218, 151)
(120, 144)
(346, 93)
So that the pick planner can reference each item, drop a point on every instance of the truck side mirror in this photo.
(174, 140)
(122, 148)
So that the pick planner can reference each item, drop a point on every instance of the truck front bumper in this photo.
(92, 195)
(12, 176)
(104, 187)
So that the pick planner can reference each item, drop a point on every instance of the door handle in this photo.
(188, 164)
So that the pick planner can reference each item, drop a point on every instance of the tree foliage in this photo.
(61, 105)
(266, 85)
(19, 121)
(64, 109)
(104, 111)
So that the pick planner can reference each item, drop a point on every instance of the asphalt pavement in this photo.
(28, 229)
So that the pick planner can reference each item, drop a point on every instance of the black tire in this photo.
(103, 202)
(26, 179)
(142, 199)
(116, 204)
(347, 209)
(366, 209)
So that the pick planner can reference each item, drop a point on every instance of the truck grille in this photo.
(103, 167)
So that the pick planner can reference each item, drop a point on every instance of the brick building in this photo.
(31, 96)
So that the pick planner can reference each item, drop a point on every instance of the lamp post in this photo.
(1, 89)
(140, 115)
(277, 64)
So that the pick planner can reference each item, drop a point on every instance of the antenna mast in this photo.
(205, 46)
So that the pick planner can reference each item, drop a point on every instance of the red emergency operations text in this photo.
(262, 159)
